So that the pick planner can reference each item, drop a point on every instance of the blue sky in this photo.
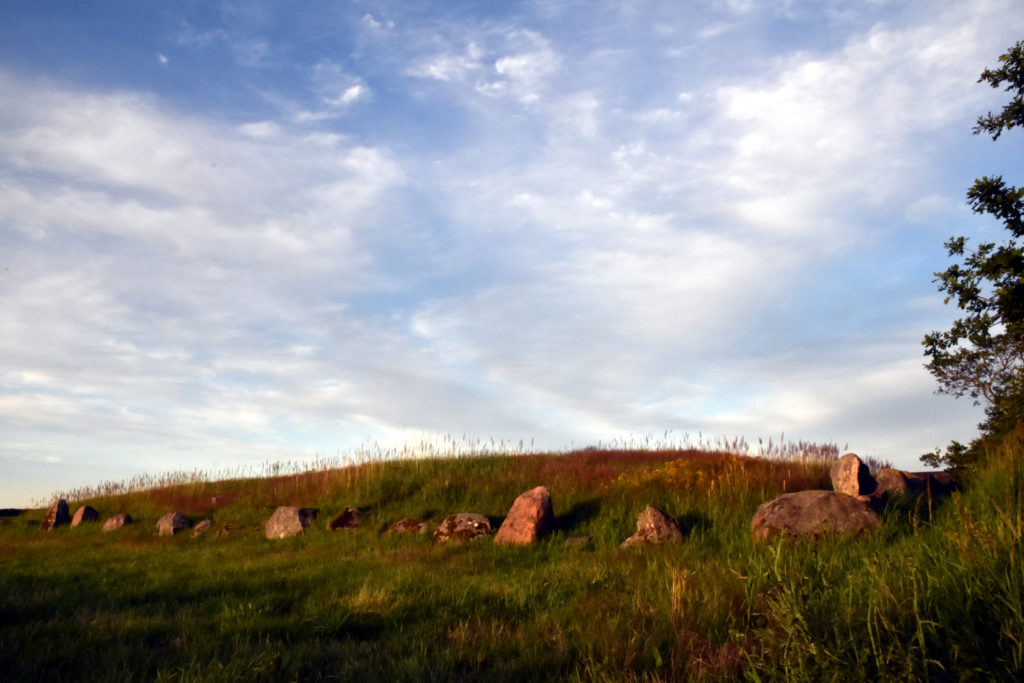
(241, 232)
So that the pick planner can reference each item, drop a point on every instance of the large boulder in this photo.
(851, 476)
(531, 516)
(172, 523)
(935, 483)
(654, 527)
(812, 515)
(349, 519)
(898, 482)
(289, 521)
(84, 514)
(891, 482)
(465, 526)
(116, 522)
(57, 515)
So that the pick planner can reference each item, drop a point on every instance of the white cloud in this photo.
(499, 63)
(591, 242)
(155, 259)
(450, 66)
(351, 94)
(260, 130)
(525, 73)
(376, 25)
(336, 88)
(846, 128)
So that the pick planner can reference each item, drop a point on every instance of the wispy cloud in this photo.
(536, 222)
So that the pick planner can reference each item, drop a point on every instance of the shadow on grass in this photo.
(578, 515)
(693, 521)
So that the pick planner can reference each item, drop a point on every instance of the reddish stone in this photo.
(349, 519)
(57, 515)
(851, 476)
(531, 516)
(116, 522)
(84, 514)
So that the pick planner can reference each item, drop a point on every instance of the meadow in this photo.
(937, 594)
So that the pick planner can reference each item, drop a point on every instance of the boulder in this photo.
(531, 516)
(891, 481)
(116, 522)
(465, 526)
(409, 525)
(57, 515)
(349, 519)
(654, 527)
(898, 482)
(937, 483)
(851, 476)
(84, 514)
(289, 521)
(172, 523)
(813, 514)
(201, 527)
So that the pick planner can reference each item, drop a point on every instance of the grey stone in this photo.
(654, 527)
(891, 481)
(465, 526)
(813, 514)
(172, 523)
(289, 521)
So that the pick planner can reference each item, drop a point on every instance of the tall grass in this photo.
(450, 446)
(936, 595)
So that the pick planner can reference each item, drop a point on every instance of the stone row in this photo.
(529, 519)
(850, 509)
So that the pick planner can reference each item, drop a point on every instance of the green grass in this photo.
(935, 595)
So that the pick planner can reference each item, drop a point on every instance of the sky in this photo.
(241, 232)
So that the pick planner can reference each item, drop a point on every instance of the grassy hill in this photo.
(937, 594)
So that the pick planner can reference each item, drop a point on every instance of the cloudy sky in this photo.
(246, 231)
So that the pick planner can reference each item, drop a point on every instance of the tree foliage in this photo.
(982, 354)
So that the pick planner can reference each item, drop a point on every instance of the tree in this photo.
(982, 354)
